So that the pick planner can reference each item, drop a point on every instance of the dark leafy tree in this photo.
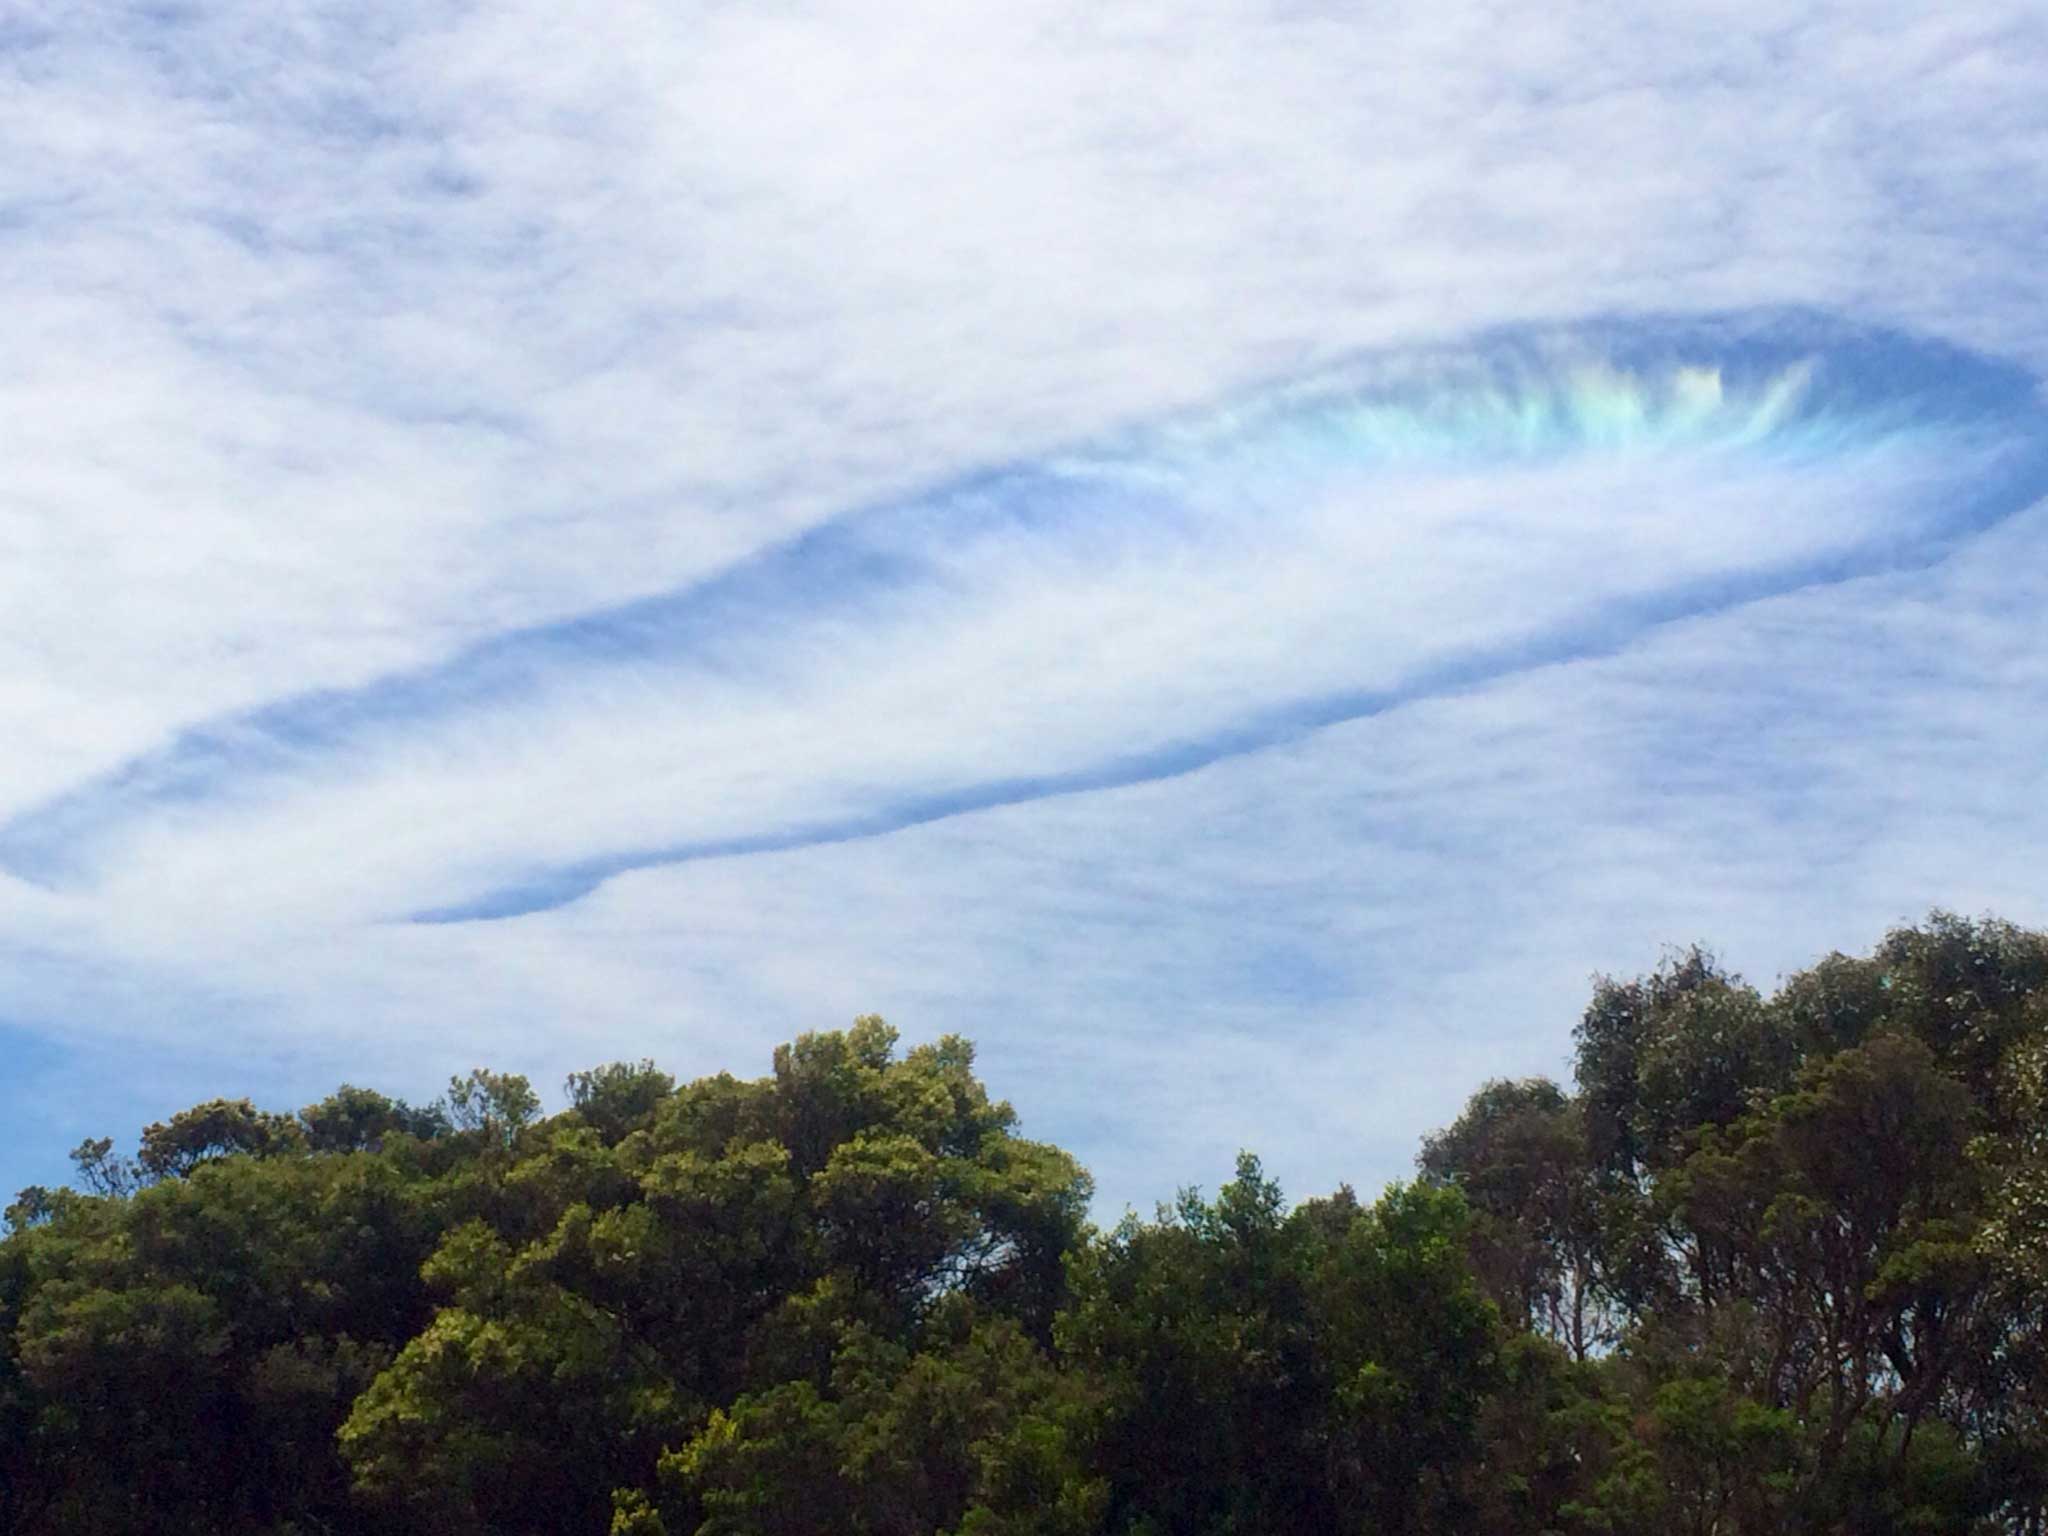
(1519, 1155)
(1771, 1264)
(216, 1129)
(102, 1171)
(353, 1119)
(496, 1104)
(619, 1098)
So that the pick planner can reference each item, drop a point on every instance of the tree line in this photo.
(1769, 1263)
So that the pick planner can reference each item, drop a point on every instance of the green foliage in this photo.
(219, 1128)
(1519, 1154)
(495, 1105)
(658, 1256)
(101, 1172)
(1660, 1058)
(619, 1098)
(1772, 1264)
(2016, 1160)
(1258, 1371)
(35, 1205)
(189, 1350)
(964, 1427)
(353, 1119)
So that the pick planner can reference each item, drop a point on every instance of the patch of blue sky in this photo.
(1772, 392)
(28, 1106)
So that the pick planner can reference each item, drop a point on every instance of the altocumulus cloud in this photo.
(533, 542)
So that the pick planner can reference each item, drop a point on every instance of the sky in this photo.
(1236, 554)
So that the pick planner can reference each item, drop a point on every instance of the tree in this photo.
(1834, 1223)
(2016, 1236)
(34, 1206)
(1775, 1264)
(217, 1128)
(1660, 1058)
(102, 1173)
(967, 1429)
(353, 1119)
(497, 1104)
(717, 1247)
(1519, 1154)
(1261, 1370)
(185, 1355)
(619, 1098)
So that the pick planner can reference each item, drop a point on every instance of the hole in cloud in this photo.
(1179, 593)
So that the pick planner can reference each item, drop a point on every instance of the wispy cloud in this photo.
(1192, 592)
(461, 461)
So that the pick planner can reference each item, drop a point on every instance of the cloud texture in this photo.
(1232, 554)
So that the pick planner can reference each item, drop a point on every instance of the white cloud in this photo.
(340, 341)
(1318, 950)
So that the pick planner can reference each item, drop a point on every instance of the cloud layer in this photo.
(1188, 593)
(1232, 554)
